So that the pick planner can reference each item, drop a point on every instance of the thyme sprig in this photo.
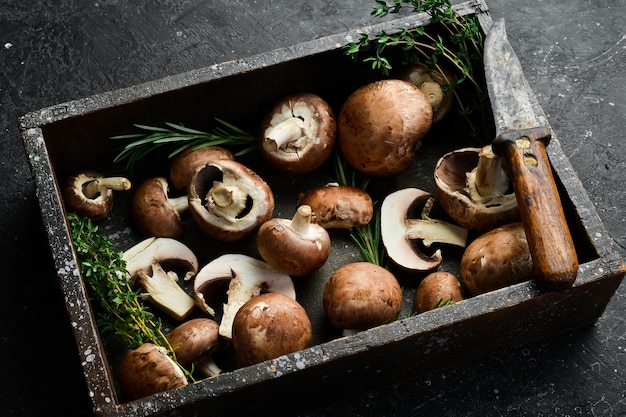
(122, 310)
(178, 138)
(450, 41)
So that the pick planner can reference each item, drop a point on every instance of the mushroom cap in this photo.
(496, 259)
(339, 206)
(246, 277)
(147, 370)
(94, 208)
(153, 213)
(453, 187)
(381, 125)
(168, 252)
(436, 288)
(361, 295)
(194, 340)
(269, 326)
(185, 164)
(418, 74)
(294, 246)
(247, 187)
(298, 133)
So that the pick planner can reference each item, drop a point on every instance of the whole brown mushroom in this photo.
(294, 246)
(155, 213)
(380, 126)
(268, 326)
(496, 259)
(194, 342)
(436, 290)
(338, 206)
(298, 134)
(90, 194)
(361, 295)
(147, 370)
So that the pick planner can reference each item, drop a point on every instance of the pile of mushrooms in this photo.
(247, 303)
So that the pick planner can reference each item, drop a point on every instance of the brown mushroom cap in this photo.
(294, 246)
(457, 178)
(381, 125)
(339, 206)
(496, 259)
(148, 370)
(268, 326)
(361, 295)
(436, 289)
(154, 213)
(194, 340)
(185, 164)
(433, 84)
(90, 194)
(298, 134)
(229, 201)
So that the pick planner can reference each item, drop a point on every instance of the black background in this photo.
(573, 54)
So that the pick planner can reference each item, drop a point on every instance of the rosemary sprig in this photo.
(450, 41)
(178, 138)
(104, 271)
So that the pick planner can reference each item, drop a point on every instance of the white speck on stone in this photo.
(8, 45)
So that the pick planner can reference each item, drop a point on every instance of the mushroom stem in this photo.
(433, 92)
(436, 231)
(226, 201)
(97, 186)
(165, 292)
(208, 367)
(301, 221)
(180, 204)
(288, 130)
(490, 179)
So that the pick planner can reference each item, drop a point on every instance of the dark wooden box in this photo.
(65, 138)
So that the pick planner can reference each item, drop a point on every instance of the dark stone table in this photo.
(573, 53)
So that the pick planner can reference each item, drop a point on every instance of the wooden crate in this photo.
(65, 138)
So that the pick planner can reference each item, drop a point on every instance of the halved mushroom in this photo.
(294, 246)
(435, 84)
(194, 342)
(298, 133)
(338, 206)
(185, 164)
(269, 326)
(380, 126)
(155, 213)
(245, 277)
(473, 187)
(147, 370)
(146, 263)
(90, 194)
(497, 259)
(361, 295)
(408, 231)
(229, 201)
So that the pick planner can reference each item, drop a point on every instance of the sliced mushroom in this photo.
(380, 126)
(474, 189)
(194, 342)
(229, 201)
(497, 259)
(147, 370)
(269, 326)
(185, 164)
(245, 277)
(361, 295)
(298, 133)
(146, 263)
(338, 206)
(90, 194)
(294, 246)
(154, 212)
(407, 230)
(435, 83)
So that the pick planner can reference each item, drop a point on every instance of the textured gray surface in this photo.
(573, 54)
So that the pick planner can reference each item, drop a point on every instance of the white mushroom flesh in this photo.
(292, 129)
